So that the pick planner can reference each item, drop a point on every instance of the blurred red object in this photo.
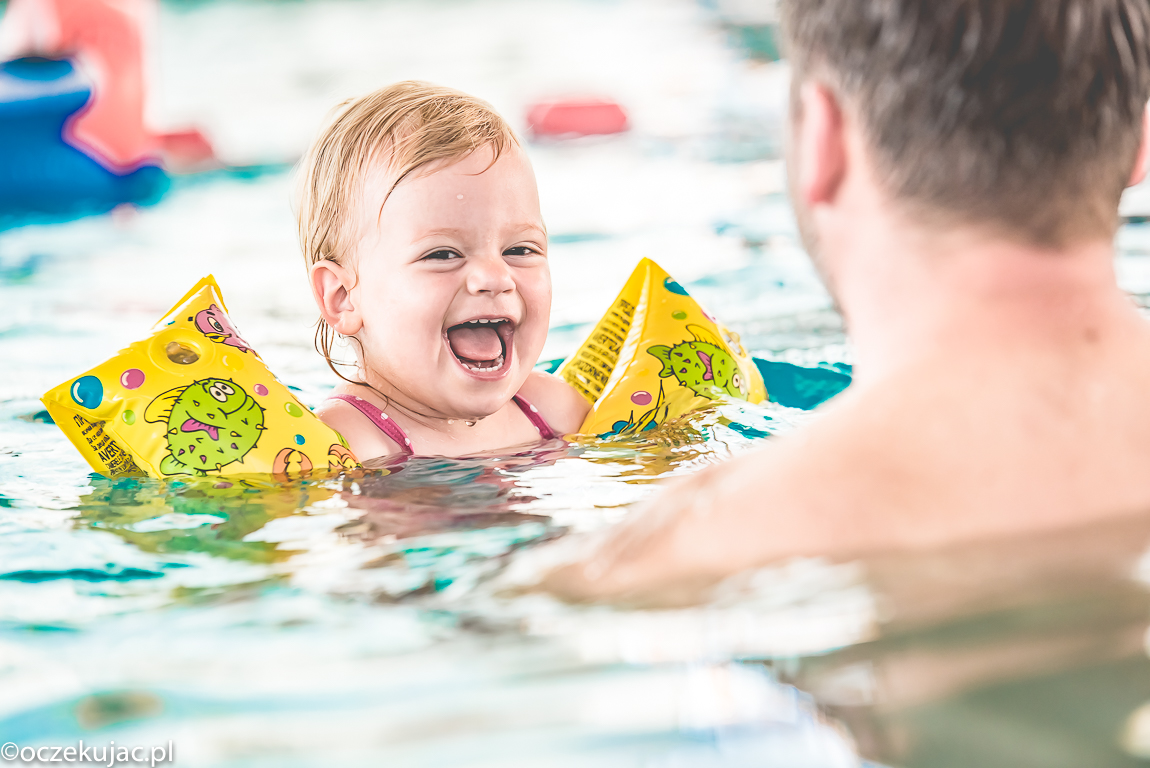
(576, 117)
(107, 39)
(186, 150)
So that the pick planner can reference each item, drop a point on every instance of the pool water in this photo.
(378, 618)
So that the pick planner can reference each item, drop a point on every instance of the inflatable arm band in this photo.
(657, 355)
(192, 399)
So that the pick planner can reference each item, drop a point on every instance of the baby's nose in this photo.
(490, 275)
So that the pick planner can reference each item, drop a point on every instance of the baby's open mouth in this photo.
(482, 345)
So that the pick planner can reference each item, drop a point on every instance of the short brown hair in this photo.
(1025, 115)
(407, 126)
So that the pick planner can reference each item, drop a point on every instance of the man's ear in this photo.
(1142, 164)
(821, 145)
(331, 285)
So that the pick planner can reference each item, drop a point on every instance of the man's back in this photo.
(961, 445)
(960, 203)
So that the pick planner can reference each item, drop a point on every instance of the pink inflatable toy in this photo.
(576, 117)
(106, 39)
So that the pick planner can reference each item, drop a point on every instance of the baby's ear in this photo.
(331, 285)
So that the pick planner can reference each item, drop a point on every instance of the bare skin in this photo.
(453, 436)
(455, 242)
(1000, 390)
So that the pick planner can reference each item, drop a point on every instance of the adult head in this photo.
(1018, 118)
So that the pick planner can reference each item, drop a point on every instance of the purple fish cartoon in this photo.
(214, 323)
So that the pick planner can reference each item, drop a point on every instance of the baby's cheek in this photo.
(537, 293)
(535, 336)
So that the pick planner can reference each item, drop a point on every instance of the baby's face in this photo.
(454, 286)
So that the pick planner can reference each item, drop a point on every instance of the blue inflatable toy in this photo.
(41, 174)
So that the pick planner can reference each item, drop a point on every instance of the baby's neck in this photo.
(397, 403)
(436, 434)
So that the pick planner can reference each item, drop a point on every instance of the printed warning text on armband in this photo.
(592, 376)
(617, 324)
(612, 343)
(115, 458)
(591, 369)
(607, 354)
(624, 312)
(590, 362)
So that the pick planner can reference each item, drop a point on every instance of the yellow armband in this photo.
(192, 399)
(657, 355)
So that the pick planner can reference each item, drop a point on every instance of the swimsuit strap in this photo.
(535, 417)
(379, 419)
(400, 438)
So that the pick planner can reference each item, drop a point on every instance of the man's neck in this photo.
(910, 296)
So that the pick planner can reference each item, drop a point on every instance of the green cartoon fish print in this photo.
(702, 365)
(211, 423)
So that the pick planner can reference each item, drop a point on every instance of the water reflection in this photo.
(1009, 653)
(203, 516)
(1021, 652)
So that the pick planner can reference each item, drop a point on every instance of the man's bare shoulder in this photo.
(917, 464)
(796, 495)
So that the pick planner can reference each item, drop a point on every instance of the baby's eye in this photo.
(521, 250)
(443, 255)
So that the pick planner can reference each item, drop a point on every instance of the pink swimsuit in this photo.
(400, 438)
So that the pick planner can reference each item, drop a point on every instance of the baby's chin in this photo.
(471, 409)
(478, 400)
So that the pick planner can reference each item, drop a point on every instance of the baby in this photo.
(419, 219)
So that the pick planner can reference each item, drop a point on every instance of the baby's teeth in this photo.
(483, 321)
(495, 365)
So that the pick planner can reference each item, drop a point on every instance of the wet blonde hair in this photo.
(406, 126)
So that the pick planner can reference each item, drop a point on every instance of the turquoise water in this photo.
(352, 619)
(376, 619)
